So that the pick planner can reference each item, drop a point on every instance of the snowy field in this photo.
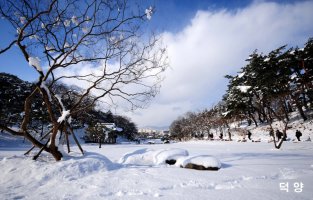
(249, 171)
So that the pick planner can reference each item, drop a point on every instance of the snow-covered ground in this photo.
(248, 171)
(261, 132)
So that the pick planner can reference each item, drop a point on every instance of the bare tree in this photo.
(106, 37)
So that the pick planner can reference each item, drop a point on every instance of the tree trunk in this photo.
(56, 153)
(249, 121)
(229, 135)
(67, 142)
(253, 119)
(41, 129)
(260, 118)
(299, 107)
(280, 142)
(285, 108)
(99, 142)
(289, 107)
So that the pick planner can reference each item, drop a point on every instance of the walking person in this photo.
(221, 136)
(249, 135)
(211, 136)
(279, 134)
(298, 135)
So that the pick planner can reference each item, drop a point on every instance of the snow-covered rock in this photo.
(176, 156)
(153, 157)
(169, 155)
(203, 162)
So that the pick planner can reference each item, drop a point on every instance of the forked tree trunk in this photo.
(56, 126)
(260, 118)
(56, 153)
(279, 143)
(253, 119)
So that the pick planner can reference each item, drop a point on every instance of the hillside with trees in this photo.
(14, 91)
(267, 89)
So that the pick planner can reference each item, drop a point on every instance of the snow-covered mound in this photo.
(170, 154)
(152, 157)
(138, 157)
(203, 162)
(179, 157)
(50, 173)
(73, 169)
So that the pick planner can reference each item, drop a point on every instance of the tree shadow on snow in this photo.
(225, 165)
(264, 156)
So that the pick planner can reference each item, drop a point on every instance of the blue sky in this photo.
(171, 15)
(206, 40)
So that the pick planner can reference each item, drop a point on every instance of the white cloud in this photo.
(216, 43)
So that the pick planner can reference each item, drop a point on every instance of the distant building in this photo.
(167, 132)
(152, 133)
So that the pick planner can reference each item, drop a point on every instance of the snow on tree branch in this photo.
(44, 86)
(35, 62)
(65, 114)
(149, 12)
(243, 88)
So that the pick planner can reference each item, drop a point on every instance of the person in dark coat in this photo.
(279, 134)
(221, 136)
(249, 135)
(298, 135)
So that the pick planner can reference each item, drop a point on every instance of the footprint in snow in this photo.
(228, 185)
(288, 173)
(120, 193)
